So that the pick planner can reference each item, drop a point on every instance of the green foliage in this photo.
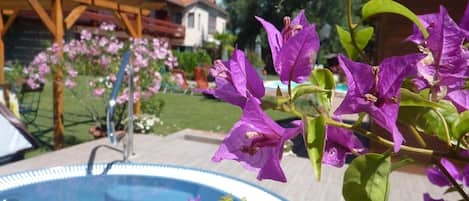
(427, 120)
(304, 89)
(324, 79)
(461, 125)
(375, 7)
(254, 58)
(409, 98)
(367, 178)
(152, 106)
(189, 60)
(322, 13)
(315, 142)
(362, 37)
(14, 72)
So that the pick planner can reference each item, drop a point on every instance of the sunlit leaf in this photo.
(409, 98)
(461, 125)
(315, 141)
(375, 7)
(362, 37)
(324, 79)
(367, 178)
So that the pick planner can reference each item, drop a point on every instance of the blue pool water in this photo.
(127, 182)
(113, 188)
(274, 83)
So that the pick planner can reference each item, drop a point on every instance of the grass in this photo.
(180, 112)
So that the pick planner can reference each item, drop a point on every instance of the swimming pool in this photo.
(272, 85)
(129, 182)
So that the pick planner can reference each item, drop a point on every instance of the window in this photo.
(177, 18)
(212, 24)
(190, 20)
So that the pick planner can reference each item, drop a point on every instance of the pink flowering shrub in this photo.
(98, 57)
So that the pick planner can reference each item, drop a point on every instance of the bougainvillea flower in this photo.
(375, 90)
(465, 21)
(437, 177)
(256, 141)
(460, 99)
(294, 50)
(427, 197)
(340, 142)
(445, 67)
(465, 177)
(236, 79)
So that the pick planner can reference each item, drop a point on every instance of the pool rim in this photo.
(101, 166)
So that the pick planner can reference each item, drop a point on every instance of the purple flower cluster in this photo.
(102, 54)
(436, 176)
(256, 141)
(445, 67)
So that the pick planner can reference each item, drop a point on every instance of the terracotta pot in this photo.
(99, 132)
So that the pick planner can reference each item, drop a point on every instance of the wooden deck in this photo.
(192, 149)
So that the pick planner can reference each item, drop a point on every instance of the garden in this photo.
(409, 109)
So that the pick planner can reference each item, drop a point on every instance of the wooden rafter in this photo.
(9, 22)
(139, 25)
(74, 15)
(128, 24)
(114, 6)
(41, 12)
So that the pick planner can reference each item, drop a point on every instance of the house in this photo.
(201, 18)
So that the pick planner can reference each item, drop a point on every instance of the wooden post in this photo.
(2, 49)
(139, 30)
(58, 83)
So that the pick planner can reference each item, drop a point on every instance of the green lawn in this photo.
(180, 112)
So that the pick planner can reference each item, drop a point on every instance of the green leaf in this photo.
(426, 120)
(461, 125)
(324, 79)
(362, 37)
(401, 163)
(409, 98)
(315, 141)
(367, 178)
(375, 7)
(305, 89)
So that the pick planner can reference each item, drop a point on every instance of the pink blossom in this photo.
(107, 27)
(85, 35)
(98, 92)
(104, 61)
(43, 68)
(72, 73)
(70, 84)
(31, 83)
(112, 77)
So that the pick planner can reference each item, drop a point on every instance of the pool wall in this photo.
(230, 185)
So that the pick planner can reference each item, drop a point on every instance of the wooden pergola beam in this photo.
(41, 12)
(114, 6)
(74, 15)
(128, 24)
(9, 22)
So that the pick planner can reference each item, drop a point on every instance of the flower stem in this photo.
(387, 143)
(352, 32)
(417, 136)
(445, 126)
(379, 139)
(453, 181)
